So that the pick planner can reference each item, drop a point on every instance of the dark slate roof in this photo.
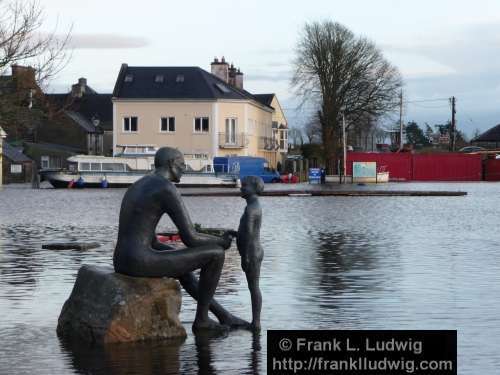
(265, 99)
(56, 147)
(15, 154)
(82, 121)
(490, 135)
(6, 85)
(85, 108)
(197, 84)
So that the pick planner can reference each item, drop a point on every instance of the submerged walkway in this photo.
(328, 192)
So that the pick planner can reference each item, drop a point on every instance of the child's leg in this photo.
(253, 275)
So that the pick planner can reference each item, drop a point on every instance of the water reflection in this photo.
(342, 261)
(19, 265)
(205, 360)
(165, 357)
(160, 357)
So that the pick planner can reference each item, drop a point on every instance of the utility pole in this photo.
(453, 129)
(344, 148)
(401, 120)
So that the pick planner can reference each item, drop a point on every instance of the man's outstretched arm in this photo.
(175, 208)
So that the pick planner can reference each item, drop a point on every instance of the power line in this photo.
(427, 100)
(310, 108)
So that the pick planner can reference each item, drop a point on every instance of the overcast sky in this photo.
(443, 48)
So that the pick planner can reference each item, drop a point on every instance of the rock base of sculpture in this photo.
(107, 307)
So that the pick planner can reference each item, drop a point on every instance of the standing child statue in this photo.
(248, 242)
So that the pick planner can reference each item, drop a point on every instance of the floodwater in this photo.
(330, 263)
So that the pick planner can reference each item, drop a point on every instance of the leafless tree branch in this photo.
(23, 43)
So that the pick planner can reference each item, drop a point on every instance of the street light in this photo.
(344, 147)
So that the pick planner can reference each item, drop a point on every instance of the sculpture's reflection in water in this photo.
(164, 357)
(161, 357)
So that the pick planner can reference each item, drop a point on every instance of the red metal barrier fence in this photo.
(492, 170)
(406, 166)
(447, 167)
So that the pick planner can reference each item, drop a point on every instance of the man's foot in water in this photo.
(208, 325)
(234, 322)
(256, 326)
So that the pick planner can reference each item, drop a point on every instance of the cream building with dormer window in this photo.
(202, 114)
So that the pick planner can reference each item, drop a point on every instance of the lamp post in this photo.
(344, 148)
(96, 122)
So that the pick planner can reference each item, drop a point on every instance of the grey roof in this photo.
(87, 107)
(178, 83)
(55, 146)
(15, 154)
(265, 99)
(81, 120)
(490, 135)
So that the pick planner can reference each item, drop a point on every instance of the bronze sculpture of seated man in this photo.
(139, 253)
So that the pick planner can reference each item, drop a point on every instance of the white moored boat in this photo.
(103, 171)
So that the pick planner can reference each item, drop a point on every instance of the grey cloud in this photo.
(277, 64)
(274, 51)
(108, 41)
(477, 99)
(469, 49)
(270, 76)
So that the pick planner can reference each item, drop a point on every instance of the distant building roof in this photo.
(14, 153)
(56, 147)
(490, 135)
(265, 99)
(86, 108)
(174, 83)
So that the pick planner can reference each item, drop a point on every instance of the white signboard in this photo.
(364, 169)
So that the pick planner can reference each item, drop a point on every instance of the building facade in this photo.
(202, 114)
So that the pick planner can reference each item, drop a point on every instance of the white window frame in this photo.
(201, 131)
(45, 162)
(231, 127)
(16, 168)
(283, 139)
(130, 124)
(168, 124)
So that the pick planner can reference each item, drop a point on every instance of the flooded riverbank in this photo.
(330, 263)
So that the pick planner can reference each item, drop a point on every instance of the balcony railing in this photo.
(229, 140)
(268, 144)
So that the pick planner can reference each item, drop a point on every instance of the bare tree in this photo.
(295, 136)
(22, 41)
(348, 75)
(312, 129)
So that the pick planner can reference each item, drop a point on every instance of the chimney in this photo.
(238, 80)
(78, 89)
(24, 77)
(220, 69)
(232, 75)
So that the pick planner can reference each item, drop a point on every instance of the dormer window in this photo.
(159, 78)
(179, 78)
(222, 88)
(129, 78)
